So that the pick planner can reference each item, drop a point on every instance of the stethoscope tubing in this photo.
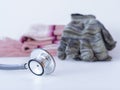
(13, 66)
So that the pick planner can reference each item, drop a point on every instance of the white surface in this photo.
(16, 16)
(69, 75)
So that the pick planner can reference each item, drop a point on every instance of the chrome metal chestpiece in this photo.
(41, 62)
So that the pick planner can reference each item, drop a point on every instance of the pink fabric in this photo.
(11, 48)
(58, 37)
(39, 36)
(52, 49)
(57, 42)
(28, 39)
(29, 46)
(37, 32)
(52, 52)
(51, 46)
(58, 29)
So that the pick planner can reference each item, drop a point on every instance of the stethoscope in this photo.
(41, 62)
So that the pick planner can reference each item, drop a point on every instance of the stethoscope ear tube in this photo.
(12, 66)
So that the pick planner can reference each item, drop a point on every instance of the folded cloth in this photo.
(37, 32)
(13, 53)
(6, 42)
(58, 37)
(51, 46)
(52, 52)
(14, 48)
(52, 49)
(58, 29)
(39, 36)
(11, 48)
(29, 46)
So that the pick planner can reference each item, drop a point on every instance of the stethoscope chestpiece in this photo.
(41, 62)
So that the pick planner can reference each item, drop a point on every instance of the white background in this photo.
(17, 16)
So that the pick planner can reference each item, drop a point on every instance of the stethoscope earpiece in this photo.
(41, 62)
